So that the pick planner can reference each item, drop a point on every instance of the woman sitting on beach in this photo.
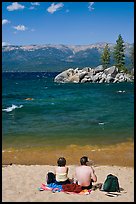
(61, 173)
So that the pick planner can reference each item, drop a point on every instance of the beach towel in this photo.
(52, 187)
(58, 188)
(73, 187)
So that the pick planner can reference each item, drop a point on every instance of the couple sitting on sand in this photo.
(84, 175)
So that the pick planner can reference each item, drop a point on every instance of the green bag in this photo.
(111, 184)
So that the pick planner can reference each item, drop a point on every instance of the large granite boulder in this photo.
(82, 75)
(109, 78)
(74, 78)
(111, 70)
(64, 76)
(96, 75)
(99, 69)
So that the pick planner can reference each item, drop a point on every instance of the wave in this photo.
(121, 91)
(9, 109)
(101, 123)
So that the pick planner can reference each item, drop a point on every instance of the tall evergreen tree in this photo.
(105, 58)
(119, 55)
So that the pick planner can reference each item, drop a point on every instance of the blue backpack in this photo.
(111, 184)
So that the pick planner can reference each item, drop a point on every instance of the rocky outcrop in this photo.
(93, 75)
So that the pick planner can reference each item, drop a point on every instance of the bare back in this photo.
(84, 174)
(61, 173)
(62, 169)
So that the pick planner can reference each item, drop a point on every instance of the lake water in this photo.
(37, 112)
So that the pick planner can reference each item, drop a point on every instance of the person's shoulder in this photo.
(91, 168)
(77, 167)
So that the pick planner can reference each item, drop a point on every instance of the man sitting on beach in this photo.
(84, 174)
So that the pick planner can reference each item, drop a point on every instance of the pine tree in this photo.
(119, 55)
(105, 58)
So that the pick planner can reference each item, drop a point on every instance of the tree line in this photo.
(118, 55)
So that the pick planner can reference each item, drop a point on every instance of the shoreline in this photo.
(121, 154)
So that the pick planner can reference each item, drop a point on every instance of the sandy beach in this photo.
(20, 184)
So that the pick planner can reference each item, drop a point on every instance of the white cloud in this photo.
(20, 27)
(35, 3)
(5, 43)
(90, 6)
(5, 21)
(32, 8)
(54, 7)
(15, 6)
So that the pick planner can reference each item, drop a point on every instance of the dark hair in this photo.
(61, 161)
(83, 160)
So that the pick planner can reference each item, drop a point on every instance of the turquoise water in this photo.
(63, 114)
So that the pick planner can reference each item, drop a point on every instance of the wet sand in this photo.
(120, 154)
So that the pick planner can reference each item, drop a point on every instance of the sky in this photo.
(69, 23)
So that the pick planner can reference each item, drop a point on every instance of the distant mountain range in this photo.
(53, 58)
